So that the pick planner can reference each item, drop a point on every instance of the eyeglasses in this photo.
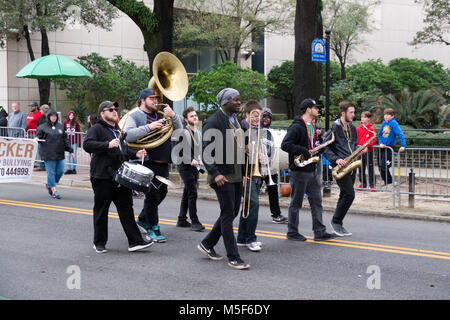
(111, 109)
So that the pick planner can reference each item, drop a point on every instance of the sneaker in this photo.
(279, 219)
(49, 190)
(142, 226)
(183, 224)
(254, 247)
(210, 253)
(100, 249)
(324, 237)
(295, 237)
(197, 226)
(372, 188)
(74, 171)
(339, 230)
(238, 264)
(68, 172)
(145, 244)
(360, 187)
(155, 234)
(56, 195)
(241, 244)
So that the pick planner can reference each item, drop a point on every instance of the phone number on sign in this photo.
(14, 172)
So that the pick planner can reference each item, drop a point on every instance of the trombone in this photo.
(254, 163)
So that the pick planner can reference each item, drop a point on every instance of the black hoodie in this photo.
(105, 161)
(295, 143)
(55, 137)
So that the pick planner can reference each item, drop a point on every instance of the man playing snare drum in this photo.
(105, 142)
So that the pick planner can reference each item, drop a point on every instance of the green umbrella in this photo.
(53, 66)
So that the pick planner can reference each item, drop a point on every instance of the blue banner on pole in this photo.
(319, 52)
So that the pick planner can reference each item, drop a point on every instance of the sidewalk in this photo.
(365, 203)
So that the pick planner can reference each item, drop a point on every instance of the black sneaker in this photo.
(197, 226)
(339, 230)
(238, 264)
(324, 237)
(279, 219)
(183, 224)
(210, 253)
(145, 244)
(295, 237)
(100, 249)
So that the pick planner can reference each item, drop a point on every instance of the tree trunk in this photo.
(307, 74)
(44, 84)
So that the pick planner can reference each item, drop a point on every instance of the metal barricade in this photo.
(13, 132)
(423, 172)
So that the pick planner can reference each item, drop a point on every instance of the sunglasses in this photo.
(111, 109)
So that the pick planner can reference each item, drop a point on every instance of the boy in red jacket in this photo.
(364, 133)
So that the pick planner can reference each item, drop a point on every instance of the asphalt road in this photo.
(46, 253)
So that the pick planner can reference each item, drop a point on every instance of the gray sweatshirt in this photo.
(17, 120)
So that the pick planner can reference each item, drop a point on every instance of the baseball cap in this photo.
(147, 92)
(308, 103)
(107, 104)
(33, 104)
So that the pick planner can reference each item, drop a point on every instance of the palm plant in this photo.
(418, 109)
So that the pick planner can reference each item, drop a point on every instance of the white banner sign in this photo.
(17, 159)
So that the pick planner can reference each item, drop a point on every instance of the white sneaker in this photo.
(239, 244)
(254, 247)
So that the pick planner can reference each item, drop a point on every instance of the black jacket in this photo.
(218, 121)
(3, 118)
(55, 137)
(295, 143)
(340, 148)
(105, 161)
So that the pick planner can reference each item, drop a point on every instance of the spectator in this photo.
(3, 122)
(43, 119)
(91, 120)
(33, 116)
(17, 120)
(364, 132)
(72, 128)
(53, 148)
(387, 136)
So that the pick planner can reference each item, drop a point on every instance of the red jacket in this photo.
(364, 135)
(32, 119)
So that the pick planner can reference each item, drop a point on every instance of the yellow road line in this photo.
(262, 233)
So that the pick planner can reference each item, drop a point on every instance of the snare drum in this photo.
(134, 176)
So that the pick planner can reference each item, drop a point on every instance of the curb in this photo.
(265, 202)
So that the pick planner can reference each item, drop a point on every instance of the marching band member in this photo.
(224, 177)
(138, 125)
(345, 143)
(105, 142)
(189, 173)
(301, 137)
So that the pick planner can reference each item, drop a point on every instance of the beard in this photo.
(112, 118)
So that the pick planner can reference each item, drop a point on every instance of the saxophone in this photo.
(300, 161)
(351, 162)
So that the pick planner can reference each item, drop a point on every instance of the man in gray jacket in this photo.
(16, 120)
(139, 124)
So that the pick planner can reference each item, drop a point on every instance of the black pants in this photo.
(189, 175)
(346, 196)
(229, 196)
(274, 202)
(384, 164)
(156, 195)
(367, 162)
(105, 192)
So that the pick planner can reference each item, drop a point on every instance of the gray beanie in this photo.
(226, 95)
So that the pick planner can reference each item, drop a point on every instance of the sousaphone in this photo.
(170, 80)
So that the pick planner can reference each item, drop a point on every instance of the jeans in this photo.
(274, 202)
(346, 197)
(305, 182)
(55, 170)
(367, 162)
(71, 163)
(247, 226)
(156, 195)
(189, 175)
(105, 192)
(229, 196)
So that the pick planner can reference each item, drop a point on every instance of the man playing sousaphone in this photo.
(139, 124)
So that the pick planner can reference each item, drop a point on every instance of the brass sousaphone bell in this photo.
(169, 80)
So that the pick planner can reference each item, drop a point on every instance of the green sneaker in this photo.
(155, 234)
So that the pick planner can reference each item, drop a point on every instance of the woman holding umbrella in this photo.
(52, 150)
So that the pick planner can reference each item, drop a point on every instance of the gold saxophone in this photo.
(300, 161)
(351, 162)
